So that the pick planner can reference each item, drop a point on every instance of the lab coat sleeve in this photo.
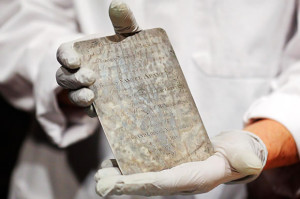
(30, 33)
(283, 103)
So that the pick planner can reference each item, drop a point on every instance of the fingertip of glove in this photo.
(100, 190)
(83, 97)
(117, 4)
(122, 18)
(67, 57)
(118, 10)
(108, 186)
(107, 173)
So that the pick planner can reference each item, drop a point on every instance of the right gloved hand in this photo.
(239, 157)
(76, 79)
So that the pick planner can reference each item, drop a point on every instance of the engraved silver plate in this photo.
(143, 102)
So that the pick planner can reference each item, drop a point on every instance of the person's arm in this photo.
(30, 33)
(281, 146)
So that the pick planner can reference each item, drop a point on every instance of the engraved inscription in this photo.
(143, 102)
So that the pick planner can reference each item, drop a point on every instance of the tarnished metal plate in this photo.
(143, 102)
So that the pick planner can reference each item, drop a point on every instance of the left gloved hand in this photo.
(76, 78)
(239, 157)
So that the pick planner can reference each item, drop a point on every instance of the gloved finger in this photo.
(187, 178)
(122, 18)
(136, 184)
(67, 56)
(109, 163)
(68, 80)
(107, 172)
(166, 182)
(90, 111)
(82, 97)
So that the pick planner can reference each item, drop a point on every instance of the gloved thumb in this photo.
(246, 162)
(122, 18)
(245, 152)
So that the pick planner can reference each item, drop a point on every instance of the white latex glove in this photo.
(239, 157)
(71, 76)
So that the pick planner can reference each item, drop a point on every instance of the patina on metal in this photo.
(143, 102)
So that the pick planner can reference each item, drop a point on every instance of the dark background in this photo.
(14, 125)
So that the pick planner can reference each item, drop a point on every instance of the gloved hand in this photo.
(71, 76)
(239, 157)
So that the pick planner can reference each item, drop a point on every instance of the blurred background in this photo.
(14, 125)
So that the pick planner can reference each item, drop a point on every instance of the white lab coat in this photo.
(240, 59)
